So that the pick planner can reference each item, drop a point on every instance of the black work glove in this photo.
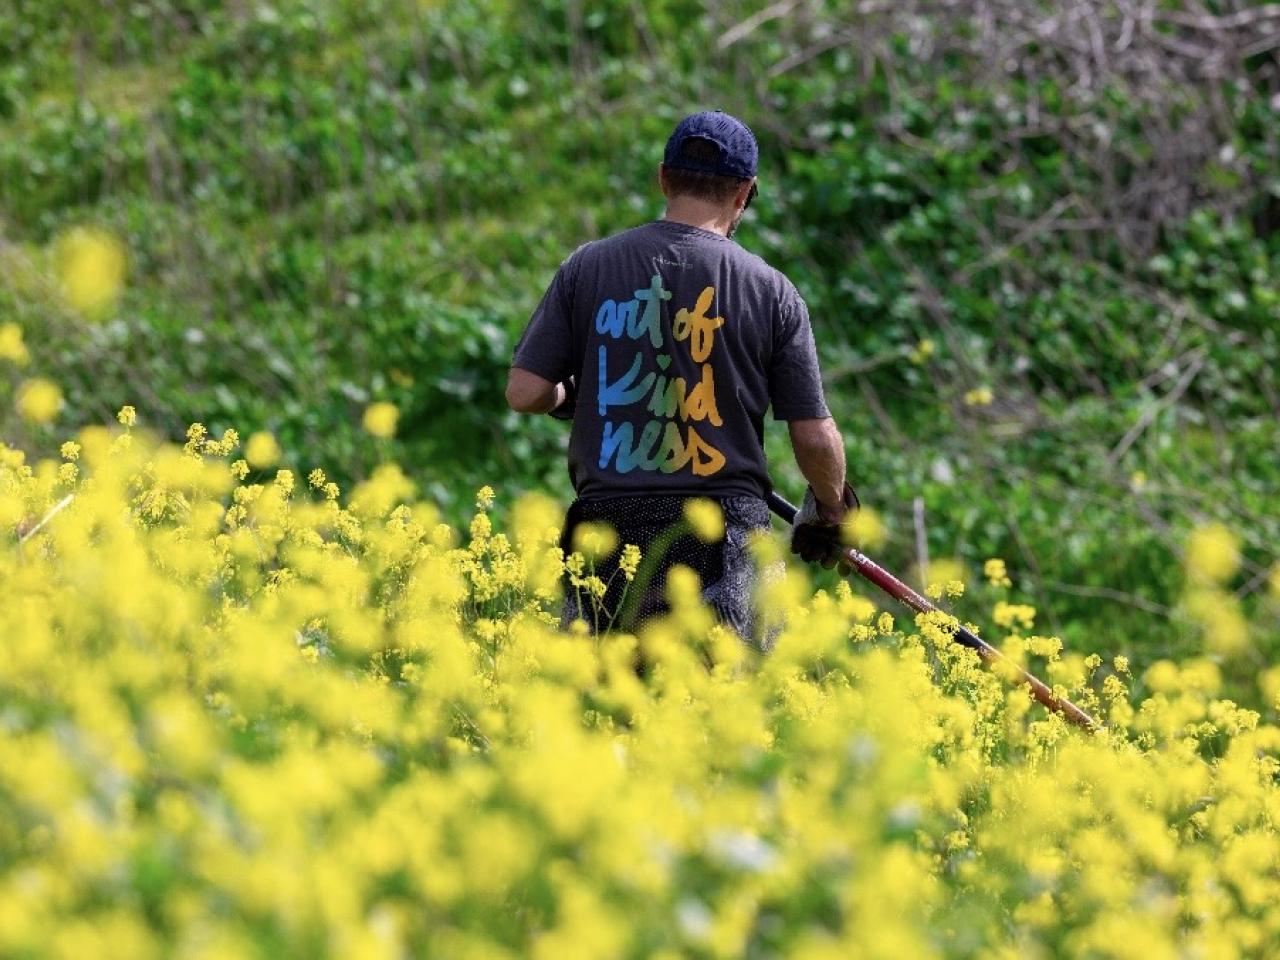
(816, 539)
(570, 402)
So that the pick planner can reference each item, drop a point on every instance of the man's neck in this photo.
(704, 216)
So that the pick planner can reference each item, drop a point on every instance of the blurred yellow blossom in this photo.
(127, 416)
(39, 400)
(864, 529)
(595, 540)
(1221, 619)
(923, 351)
(942, 570)
(979, 397)
(11, 346)
(380, 419)
(705, 519)
(996, 572)
(1213, 553)
(262, 450)
(1011, 615)
(91, 267)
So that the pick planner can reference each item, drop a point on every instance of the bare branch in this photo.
(745, 28)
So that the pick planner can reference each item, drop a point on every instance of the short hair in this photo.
(713, 187)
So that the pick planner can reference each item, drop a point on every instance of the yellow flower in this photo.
(1138, 480)
(706, 519)
(996, 572)
(1213, 553)
(629, 563)
(943, 570)
(39, 400)
(380, 419)
(923, 351)
(262, 451)
(485, 497)
(979, 397)
(70, 450)
(864, 529)
(595, 540)
(1010, 614)
(127, 416)
(1221, 619)
(11, 345)
(90, 267)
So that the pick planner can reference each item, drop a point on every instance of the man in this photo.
(665, 344)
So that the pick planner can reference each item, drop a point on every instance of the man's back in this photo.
(676, 341)
(679, 340)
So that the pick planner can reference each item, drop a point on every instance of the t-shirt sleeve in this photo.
(795, 384)
(546, 346)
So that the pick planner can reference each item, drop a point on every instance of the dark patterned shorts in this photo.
(727, 569)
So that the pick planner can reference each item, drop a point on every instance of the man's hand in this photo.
(815, 535)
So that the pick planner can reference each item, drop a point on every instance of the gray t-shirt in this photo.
(679, 341)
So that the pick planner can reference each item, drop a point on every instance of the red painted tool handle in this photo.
(872, 572)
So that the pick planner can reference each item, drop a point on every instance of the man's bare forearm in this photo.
(819, 451)
(529, 393)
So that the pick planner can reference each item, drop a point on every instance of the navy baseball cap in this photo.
(738, 151)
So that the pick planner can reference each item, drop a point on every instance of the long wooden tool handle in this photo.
(871, 571)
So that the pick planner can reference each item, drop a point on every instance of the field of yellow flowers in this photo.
(250, 719)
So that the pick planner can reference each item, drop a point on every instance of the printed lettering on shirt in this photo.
(669, 442)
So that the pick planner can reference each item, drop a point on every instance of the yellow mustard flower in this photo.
(12, 347)
(923, 351)
(705, 518)
(380, 419)
(262, 450)
(39, 400)
(90, 267)
(996, 572)
(1213, 553)
(865, 529)
(595, 540)
(979, 397)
